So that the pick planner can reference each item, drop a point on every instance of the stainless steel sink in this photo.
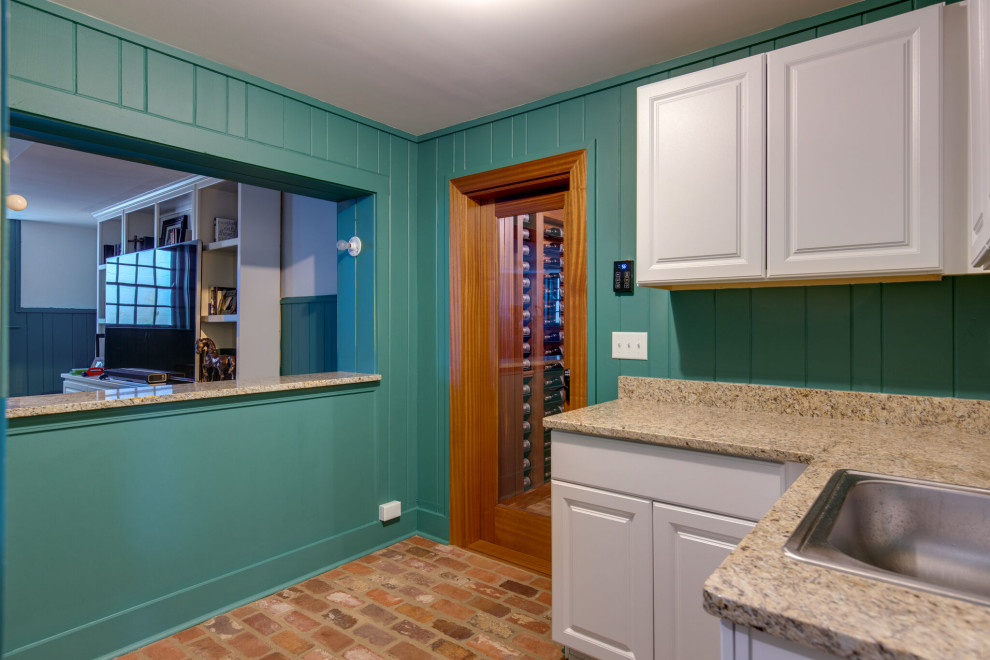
(922, 534)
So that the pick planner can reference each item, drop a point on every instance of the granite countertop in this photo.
(50, 404)
(938, 439)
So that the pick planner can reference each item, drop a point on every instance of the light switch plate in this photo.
(629, 346)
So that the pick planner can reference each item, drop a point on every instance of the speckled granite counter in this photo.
(758, 586)
(50, 404)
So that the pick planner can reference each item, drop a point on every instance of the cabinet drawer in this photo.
(741, 487)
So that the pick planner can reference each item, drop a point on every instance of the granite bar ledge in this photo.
(140, 395)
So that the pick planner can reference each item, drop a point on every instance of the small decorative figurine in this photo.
(212, 365)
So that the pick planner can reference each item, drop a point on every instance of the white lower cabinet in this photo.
(637, 529)
(688, 546)
(602, 544)
(742, 643)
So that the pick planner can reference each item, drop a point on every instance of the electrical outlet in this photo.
(389, 510)
(629, 346)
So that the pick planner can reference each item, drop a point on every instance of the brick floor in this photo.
(414, 600)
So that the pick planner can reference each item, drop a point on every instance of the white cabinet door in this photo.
(688, 546)
(603, 573)
(700, 175)
(853, 151)
(979, 118)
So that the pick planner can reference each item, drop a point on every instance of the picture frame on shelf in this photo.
(174, 230)
(224, 229)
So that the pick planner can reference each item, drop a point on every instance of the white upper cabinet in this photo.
(701, 186)
(979, 117)
(854, 151)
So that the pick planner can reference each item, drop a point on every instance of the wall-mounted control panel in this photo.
(623, 277)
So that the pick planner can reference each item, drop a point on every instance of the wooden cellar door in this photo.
(517, 244)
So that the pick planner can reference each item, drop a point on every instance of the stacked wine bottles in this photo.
(544, 389)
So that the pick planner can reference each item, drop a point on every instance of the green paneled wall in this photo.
(919, 338)
(146, 519)
(308, 335)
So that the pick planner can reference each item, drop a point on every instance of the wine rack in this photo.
(533, 312)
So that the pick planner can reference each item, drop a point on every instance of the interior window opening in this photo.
(155, 274)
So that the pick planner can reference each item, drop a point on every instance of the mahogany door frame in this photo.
(473, 373)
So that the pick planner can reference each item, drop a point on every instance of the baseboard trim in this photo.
(150, 621)
(434, 526)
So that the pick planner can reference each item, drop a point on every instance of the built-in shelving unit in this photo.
(195, 203)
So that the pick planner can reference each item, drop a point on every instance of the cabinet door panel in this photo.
(701, 175)
(688, 546)
(603, 573)
(979, 107)
(853, 151)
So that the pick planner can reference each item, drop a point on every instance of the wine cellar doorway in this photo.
(518, 244)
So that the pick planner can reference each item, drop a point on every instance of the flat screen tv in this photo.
(151, 307)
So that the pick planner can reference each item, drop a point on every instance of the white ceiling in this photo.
(422, 65)
(62, 185)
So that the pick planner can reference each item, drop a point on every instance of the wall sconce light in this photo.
(352, 246)
(16, 202)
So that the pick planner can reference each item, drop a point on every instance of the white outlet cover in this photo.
(629, 346)
(389, 510)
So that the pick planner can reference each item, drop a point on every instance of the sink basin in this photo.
(921, 534)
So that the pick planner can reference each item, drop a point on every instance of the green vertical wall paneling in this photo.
(733, 335)
(602, 116)
(298, 131)
(318, 146)
(866, 338)
(367, 148)
(98, 65)
(501, 141)
(917, 329)
(346, 289)
(265, 116)
(571, 118)
(133, 66)
(211, 100)
(342, 140)
(519, 130)
(171, 87)
(971, 341)
(367, 278)
(541, 131)
(236, 108)
(829, 343)
(692, 341)
(779, 326)
(308, 335)
(42, 48)
(479, 143)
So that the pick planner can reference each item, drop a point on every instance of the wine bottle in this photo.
(526, 299)
(526, 234)
(553, 369)
(527, 409)
(527, 483)
(526, 315)
(554, 411)
(553, 232)
(526, 282)
(527, 348)
(527, 364)
(546, 448)
(553, 352)
(526, 266)
(553, 382)
(526, 464)
(525, 250)
(527, 446)
(526, 332)
(554, 263)
(553, 399)
(553, 247)
(553, 336)
(527, 390)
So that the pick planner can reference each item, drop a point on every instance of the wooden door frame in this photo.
(473, 380)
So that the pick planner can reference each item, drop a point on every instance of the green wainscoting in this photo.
(920, 338)
(309, 335)
(144, 520)
(43, 343)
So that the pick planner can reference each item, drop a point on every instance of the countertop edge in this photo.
(140, 396)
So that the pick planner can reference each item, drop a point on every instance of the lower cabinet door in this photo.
(603, 573)
(688, 546)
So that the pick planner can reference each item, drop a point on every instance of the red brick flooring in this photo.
(414, 600)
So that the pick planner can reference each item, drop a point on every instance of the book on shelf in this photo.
(174, 230)
(222, 301)
(224, 229)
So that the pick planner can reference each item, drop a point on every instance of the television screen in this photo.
(151, 309)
